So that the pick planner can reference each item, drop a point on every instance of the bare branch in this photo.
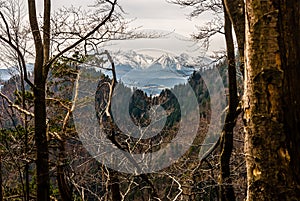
(22, 60)
(11, 104)
(47, 67)
(6, 26)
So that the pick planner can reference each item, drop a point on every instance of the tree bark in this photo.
(42, 166)
(290, 46)
(46, 32)
(271, 100)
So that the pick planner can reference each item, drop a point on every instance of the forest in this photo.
(72, 130)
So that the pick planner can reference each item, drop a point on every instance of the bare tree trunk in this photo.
(26, 168)
(271, 101)
(226, 188)
(65, 189)
(236, 12)
(25, 122)
(115, 186)
(46, 31)
(42, 166)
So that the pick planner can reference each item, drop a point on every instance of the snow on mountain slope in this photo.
(165, 71)
(168, 61)
(143, 71)
(131, 58)
(154, 72)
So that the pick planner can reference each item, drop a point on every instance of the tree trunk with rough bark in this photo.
(271, 100)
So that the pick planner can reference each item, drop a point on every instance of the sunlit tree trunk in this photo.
(271, 100)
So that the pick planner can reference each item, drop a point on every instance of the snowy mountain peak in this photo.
(131, 58)
(168, 61)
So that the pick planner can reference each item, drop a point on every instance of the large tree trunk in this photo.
(271, 100)
(290, 56)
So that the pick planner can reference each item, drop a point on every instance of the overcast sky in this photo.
(154, 14)
(151, 14)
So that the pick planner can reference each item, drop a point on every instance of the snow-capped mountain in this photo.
(132, 59)
(167, 61)
(152, 74)
(147, 72)
(137, 60)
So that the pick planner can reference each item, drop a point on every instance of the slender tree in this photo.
(236, 13)
(226, 188)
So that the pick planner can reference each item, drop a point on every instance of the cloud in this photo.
(154, 9)
(154, 14)
(171, 42)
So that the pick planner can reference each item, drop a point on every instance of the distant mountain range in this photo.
(152, 74)
(143, 71)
